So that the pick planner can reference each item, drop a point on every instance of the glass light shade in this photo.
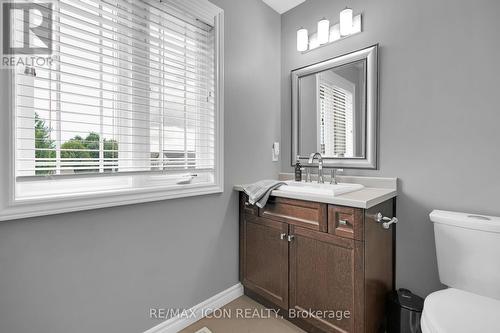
(313, 42)
(335, 33)
(346, 22)
(302, 40)
(323, 31)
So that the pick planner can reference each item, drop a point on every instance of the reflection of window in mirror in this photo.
(336, 98)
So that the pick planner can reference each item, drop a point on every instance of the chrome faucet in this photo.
(320, 165)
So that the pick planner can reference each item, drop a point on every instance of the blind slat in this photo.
(200, 104)
(204, 123)
(76, 132)
(147, 92)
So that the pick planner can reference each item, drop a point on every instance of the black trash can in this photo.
(404, 312)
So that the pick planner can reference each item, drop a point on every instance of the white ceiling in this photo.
(282, 6)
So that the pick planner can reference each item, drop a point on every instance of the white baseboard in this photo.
(175, 324)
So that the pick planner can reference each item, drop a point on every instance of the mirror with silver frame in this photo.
(334, 110)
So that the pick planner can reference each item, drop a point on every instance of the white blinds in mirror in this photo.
(130, 89)
(336, 121)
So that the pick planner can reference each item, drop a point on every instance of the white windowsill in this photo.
(103, 200)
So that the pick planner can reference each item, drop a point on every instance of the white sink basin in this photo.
(320, 189)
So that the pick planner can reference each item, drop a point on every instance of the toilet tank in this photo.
(468, 251)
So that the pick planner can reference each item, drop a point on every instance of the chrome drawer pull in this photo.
(282, 236)
(342, 222)
(290, 238)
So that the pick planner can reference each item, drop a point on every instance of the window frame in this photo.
(10, 208)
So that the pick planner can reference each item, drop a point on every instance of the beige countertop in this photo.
(364, 198)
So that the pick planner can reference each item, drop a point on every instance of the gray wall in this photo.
(439, 112)
(101, 270)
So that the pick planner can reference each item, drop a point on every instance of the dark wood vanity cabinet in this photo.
(327, 268)
(324, 274)
(265, 250)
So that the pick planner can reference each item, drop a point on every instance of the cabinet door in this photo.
(264, 258)
(326, 280)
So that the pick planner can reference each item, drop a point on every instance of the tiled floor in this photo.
(246, 316)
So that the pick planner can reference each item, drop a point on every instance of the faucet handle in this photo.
(333, 179)
(321, 179)
(311, 158)
(308, 175)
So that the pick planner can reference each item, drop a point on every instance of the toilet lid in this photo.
(456, 311)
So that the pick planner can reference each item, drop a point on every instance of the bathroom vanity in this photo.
(323, 254)
(326, 262)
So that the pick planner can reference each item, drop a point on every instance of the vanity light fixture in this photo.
(349, 25)
(323, 31)
(346, 22)
(302, 40)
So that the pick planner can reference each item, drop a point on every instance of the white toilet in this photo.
(468, 256)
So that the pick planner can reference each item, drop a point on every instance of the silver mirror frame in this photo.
(369, 161)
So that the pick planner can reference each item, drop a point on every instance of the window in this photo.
(130, 103)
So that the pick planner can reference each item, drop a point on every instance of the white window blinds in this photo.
(131, 89)
(336, 121)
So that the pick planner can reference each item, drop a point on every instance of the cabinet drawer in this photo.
(345, 222)
(306, 214)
